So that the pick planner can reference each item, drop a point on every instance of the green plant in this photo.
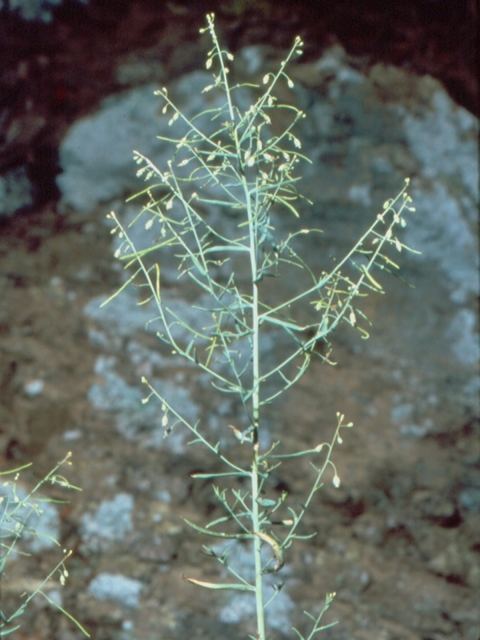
(16, 513)
(246, 172)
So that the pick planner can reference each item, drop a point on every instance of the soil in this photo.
(393, 541)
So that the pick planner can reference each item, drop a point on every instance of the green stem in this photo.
(257, 542)
(255, 440)
(257, 546)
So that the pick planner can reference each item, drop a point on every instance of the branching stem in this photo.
(244, 174)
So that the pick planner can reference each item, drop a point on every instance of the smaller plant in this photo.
(15, 514)
(229, 160)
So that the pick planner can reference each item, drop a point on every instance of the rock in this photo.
(111, 522)
(21, 131)
(469, 499)
(43, 523)
(139, 70)
(34, 388)
(362, 133)
(96, 155)
(137, 420)
(15, 191)
(116, 587)
(439, 135)
(40, 10)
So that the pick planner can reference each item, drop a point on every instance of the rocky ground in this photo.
(399, 540)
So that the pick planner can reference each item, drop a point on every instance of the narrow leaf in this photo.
(221, 587)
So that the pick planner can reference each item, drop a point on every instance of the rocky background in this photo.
(388, 93)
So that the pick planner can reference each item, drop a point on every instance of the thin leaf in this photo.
(222, 587)
(124, 286)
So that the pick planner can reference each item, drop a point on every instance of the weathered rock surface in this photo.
(399, 540)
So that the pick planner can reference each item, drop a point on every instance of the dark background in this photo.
(50, 74)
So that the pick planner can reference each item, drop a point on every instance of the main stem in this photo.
(257, 542)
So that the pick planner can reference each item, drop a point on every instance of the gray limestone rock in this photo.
(120, 589)
(40, 10)
(364, 133)
(15, 191)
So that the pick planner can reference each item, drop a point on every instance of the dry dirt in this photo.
(384, 537)
(393, 541)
